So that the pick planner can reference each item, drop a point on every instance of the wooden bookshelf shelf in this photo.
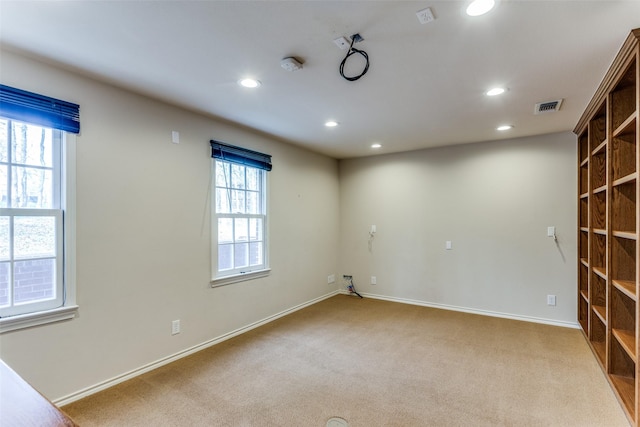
(600, 350)
(600, 189)
(627, 287)
(626, 179)
(601, 312)
(600, 148)
(600, 271)
(609, 224)
(627, 340)
(625, 390)
(584, 295)
(627, 127)
(625, 235)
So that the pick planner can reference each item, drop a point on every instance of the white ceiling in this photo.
(424, 88)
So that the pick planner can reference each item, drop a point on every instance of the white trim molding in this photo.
(227, 280)
(573, 325)
(29, 320)
(172, 358)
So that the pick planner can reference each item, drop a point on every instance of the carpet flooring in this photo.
(372, 363)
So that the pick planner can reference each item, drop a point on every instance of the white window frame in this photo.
(68, 308)
(226, 277)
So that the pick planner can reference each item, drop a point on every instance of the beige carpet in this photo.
(373, 363)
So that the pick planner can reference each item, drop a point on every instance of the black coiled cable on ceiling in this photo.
(353, 51)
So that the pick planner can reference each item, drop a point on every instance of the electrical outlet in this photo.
(373, 280)
(551, 300)
(175, 327)
(331, 278)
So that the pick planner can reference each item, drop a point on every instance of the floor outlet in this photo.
(175, 327)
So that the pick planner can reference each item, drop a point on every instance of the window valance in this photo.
(17, 104)
(240, 155)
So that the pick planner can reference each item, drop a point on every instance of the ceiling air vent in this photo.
(547, 107)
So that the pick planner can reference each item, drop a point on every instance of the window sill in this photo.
(29, 320)
(227, 280)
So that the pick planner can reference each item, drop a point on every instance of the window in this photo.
(239, 225)
(37, 227)
(31, 255)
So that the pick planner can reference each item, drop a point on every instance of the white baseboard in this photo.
(573, 325)
(161, 362)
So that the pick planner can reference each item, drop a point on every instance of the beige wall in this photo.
(143, 236)
(492, 200)
(143, 232)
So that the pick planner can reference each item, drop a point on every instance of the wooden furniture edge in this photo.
(612, 74)
(25, 406)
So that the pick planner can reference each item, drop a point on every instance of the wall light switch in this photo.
(175, 327)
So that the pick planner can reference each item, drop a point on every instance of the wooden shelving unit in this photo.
(609, 223)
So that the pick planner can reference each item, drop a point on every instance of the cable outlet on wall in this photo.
(341, 42)
(551, 300)
(175, 327)
(331, 278)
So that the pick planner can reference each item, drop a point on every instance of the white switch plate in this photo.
(373, 280)
(551, 300)
(447, 245)
(341, 42)
(175, 327)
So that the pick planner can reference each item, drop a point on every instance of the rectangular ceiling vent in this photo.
(547, 106)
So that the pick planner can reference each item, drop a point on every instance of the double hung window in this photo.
(36, 215)
(240, 211)
(31, 233)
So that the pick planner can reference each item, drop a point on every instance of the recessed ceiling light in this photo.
(250, 83)
(331, 124)
(504, 127)
(480, 7)
(495, 91)
(376, 146)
